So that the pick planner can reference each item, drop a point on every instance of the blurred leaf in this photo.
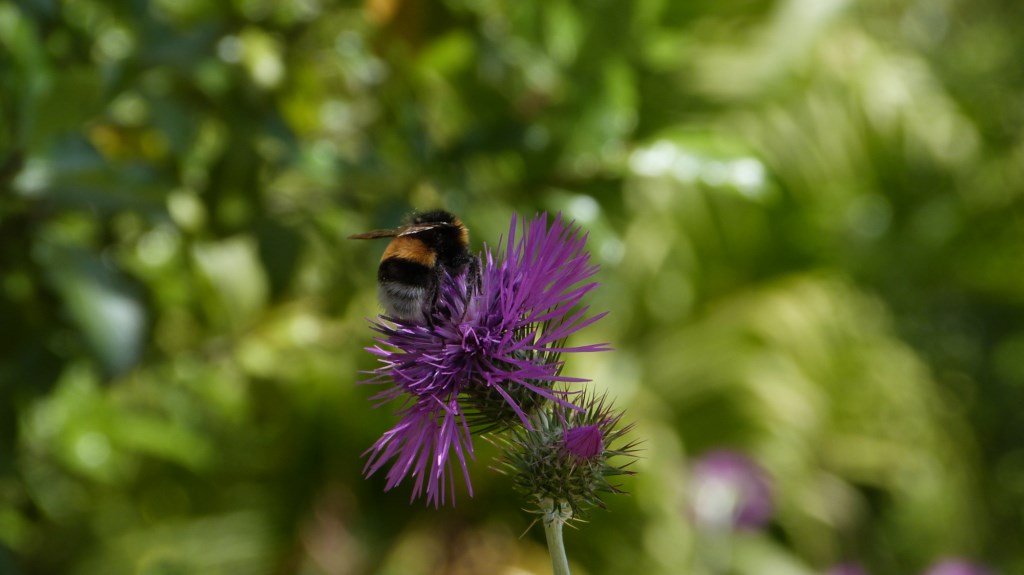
(227, 543)
(104, 304)
(232, 268)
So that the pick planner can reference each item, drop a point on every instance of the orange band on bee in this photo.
(463, 231)
(411, 249)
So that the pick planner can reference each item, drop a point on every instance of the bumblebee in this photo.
(413, 264)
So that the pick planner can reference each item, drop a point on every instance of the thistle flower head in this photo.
(568, 456)
(730, 490)
(489, 356)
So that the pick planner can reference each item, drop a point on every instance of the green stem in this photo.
(554, 518)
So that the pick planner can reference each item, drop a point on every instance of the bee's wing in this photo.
(375, 234)
(417, 228)
(402, 231)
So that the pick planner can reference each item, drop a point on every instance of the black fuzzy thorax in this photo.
(433, 216)
(447, 241)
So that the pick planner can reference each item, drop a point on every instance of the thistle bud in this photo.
(566, 456)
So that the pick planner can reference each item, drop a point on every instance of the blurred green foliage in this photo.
(807, 213)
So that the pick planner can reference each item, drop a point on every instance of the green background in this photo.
(807, 214)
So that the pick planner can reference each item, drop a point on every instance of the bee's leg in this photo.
(433, 292)
(474, 281)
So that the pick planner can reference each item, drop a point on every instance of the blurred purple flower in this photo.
(502, 341)
(847, 569)
(954, 566)
(730, 490)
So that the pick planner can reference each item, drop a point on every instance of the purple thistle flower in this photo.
(501, 344)
(584, 442)
(729, 489)
(955, 566)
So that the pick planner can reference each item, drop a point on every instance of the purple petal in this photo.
(584, 442)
